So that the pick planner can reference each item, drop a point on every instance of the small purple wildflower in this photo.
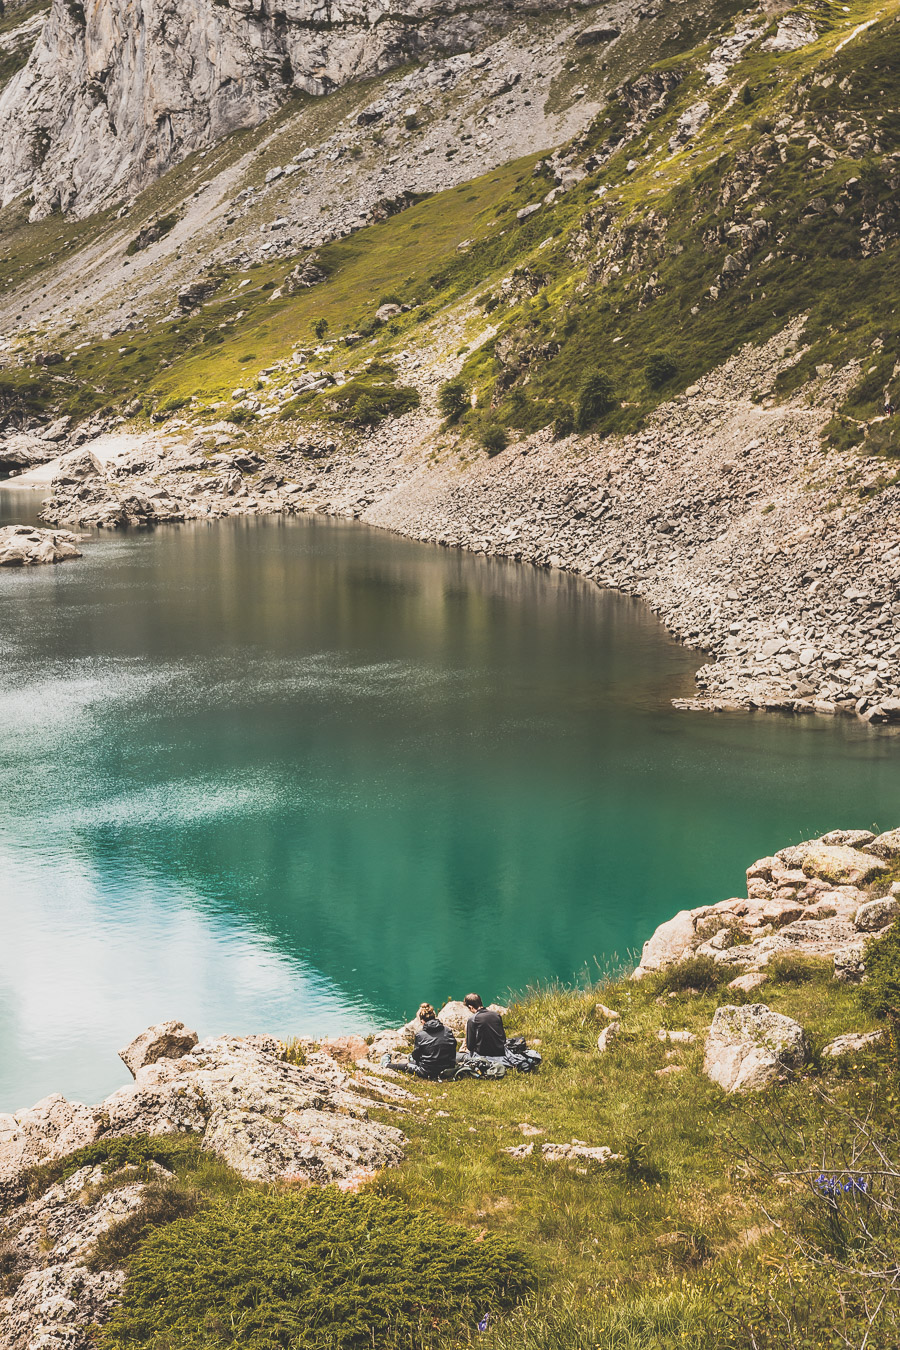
(483, 1324)
(834, 1186)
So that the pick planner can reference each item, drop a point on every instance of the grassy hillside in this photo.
(653, 268)
(720, 1224)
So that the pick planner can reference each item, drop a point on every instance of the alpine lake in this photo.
(296, 775)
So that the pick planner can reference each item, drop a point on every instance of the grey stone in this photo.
(852, 1044)
(166, 1040)
(750, 1047)
(876, 914)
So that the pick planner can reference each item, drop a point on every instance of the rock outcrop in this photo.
(268, 1118)
(750, 1047)
(167, 1040)
(814, 898)
(115, 93)
(24, 546)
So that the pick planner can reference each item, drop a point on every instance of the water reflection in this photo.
(297, 775)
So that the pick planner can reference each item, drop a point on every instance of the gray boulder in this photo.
(852, 1043)
(167, 1040)
(876, 914)
(886, 846)
(835, 863)
(748, 1048)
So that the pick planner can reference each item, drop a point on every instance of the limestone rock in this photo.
(454, 1015)
(747, 983)
(52, 1127)
(576, 1151)
(320, 1146)
(833, 862)
(876, 914)
(670, 942)
(166, 1040)
(750, 1047)
(849, 966)
(886, 846)
(852, 1044)
(851, 838)
(345, 1049)
(389, 1043)
(22, 546)
(109, 101)
(607, 1036)
(210, 1091)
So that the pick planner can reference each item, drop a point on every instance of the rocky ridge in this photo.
(270, 1119)
(112, 97)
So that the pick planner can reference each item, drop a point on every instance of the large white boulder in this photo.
(750, 1047)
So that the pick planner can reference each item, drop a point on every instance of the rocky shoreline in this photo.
(777, 557)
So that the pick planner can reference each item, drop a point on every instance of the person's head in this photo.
(426, 1013)
(473, 1002)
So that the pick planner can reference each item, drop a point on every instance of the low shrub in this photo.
(797, 968)
(366, 402)
(563, 422)
(453, 400)
(660, 367)
(493, 438)
(596, 398)
(161, 1203)
(880, 995)
(319, 1269)
(702, 973)
(134, 1150)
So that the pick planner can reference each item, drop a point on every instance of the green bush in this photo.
(798, 968)
(660, 367)
(881, 992)
(161, 1203)
(135, 1150)
(563, 422)
(319, 328)
(596, 398)
(319, 1269)
(693, 972)
(453, 400)
(493, 438)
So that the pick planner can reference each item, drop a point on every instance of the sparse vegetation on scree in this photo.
(745, 1222)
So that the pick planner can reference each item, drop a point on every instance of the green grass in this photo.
(320, 1269)
(653, 1252)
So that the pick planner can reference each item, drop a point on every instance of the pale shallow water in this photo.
(297, 775)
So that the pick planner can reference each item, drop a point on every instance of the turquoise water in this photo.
(298, 775)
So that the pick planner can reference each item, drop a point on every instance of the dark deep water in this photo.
(298, 775)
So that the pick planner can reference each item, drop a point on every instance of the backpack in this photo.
(519, 1057)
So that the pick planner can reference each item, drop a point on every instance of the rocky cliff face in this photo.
(118, 91)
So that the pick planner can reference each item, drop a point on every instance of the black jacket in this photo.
(435, 1048)
(485, 1034)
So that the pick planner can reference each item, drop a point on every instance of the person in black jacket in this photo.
(434, 1051)
(485, 1034)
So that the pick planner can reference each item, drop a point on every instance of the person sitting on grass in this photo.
(485, 1035)
(434, 1051)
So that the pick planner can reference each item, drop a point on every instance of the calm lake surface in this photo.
(297, 775)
